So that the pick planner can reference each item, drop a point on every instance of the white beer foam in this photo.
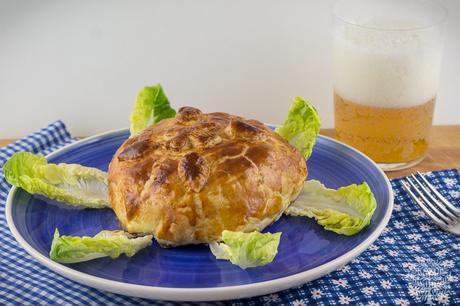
(386, 68)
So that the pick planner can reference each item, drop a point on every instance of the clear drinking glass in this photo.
(387, 59)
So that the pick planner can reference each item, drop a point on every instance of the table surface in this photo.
(443, 153)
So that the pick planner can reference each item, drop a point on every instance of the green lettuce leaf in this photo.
(68, 183)
(247, 249)
(151, 107)
(71, 249)
(301, 126)
(346, 210)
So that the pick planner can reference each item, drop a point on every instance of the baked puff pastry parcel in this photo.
(187, 179)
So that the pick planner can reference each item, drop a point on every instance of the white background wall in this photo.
(84, 61)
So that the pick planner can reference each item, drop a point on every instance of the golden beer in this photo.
(387, 135)
(386, 64)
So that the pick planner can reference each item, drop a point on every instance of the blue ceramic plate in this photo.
(191, 273)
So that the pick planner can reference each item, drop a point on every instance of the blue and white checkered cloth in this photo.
(412, 262)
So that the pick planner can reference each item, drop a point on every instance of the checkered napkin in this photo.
(412, 262)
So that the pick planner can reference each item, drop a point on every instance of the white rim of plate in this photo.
(198, 294)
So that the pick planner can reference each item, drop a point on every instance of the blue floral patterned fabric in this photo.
(412, 262)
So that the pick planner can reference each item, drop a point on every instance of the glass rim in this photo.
(440, 20)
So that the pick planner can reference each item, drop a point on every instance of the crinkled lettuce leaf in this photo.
(71, 249)
(346, 210)
(247, 249)
(301, 126)
(151, 107)
(69, 183)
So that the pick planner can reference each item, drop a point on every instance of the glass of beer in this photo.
(387, 56)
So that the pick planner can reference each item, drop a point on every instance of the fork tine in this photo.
(420, 195)
(435, 219)
(449, 205)
(436, 202)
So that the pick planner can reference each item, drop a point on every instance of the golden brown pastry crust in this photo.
(186, 179)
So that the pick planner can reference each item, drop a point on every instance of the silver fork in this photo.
(441, 211)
